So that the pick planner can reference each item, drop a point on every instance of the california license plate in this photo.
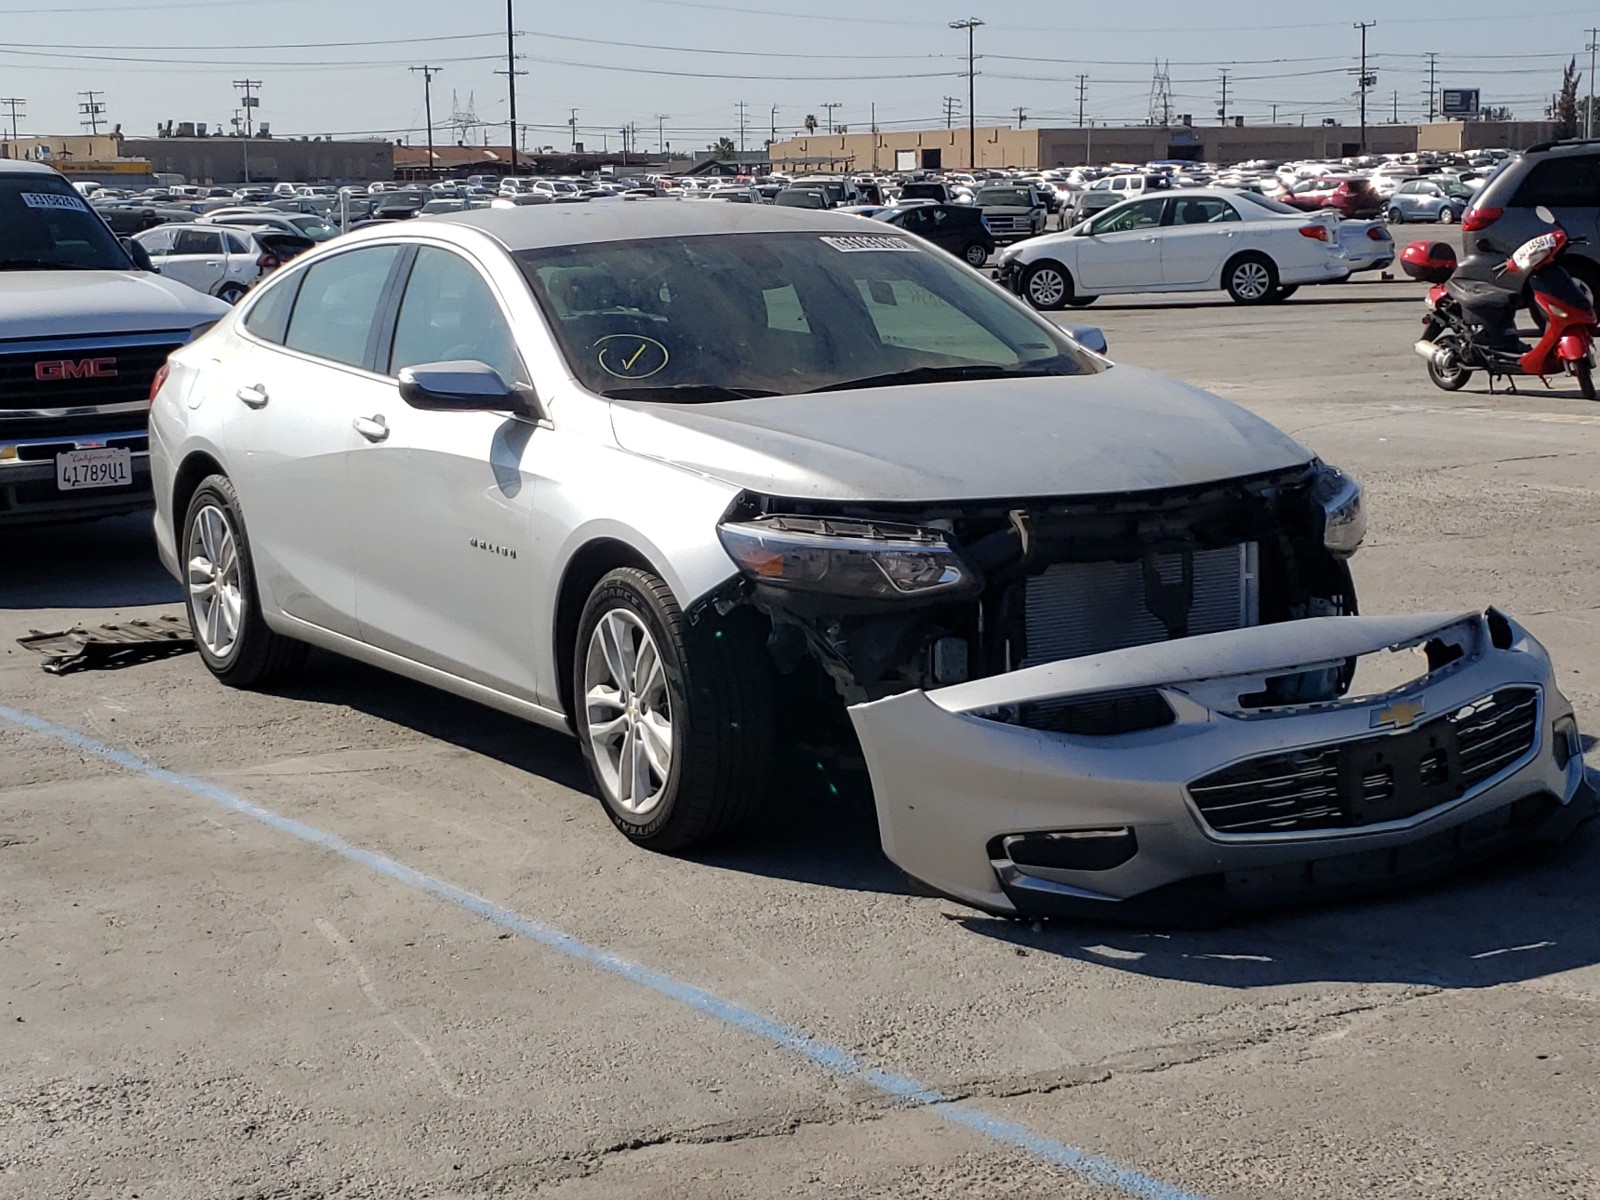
(109, 467)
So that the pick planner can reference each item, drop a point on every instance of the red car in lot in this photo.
(1349, 196)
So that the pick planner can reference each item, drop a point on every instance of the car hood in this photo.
(37, 304)
(1121, 430)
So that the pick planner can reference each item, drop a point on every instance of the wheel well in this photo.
(587, 567)
(195, 468)
(1227, 267)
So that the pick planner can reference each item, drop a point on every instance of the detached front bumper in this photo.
(1213, 799)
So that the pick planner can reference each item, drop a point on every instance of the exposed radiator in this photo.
(1075, 609)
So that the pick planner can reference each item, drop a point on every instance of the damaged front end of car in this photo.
(1106, 702)
(890, 597)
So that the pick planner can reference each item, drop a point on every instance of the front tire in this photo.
(1584, 373)
(975, 254)
(1447, 216)
(1082, 301)
(1396, 217)
(1251, 279)
(674, 720)
(221, 598)
(1047, 286)
(231, 293)
(1284, 291)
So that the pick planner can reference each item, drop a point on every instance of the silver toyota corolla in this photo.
(689, 479)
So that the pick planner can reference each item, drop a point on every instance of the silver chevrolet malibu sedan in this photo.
(688, 479)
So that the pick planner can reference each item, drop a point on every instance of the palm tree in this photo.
(811, 123)
(724, 148)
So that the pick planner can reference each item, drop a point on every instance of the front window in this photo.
(734, 316)
(46, 225)
(1144, 214)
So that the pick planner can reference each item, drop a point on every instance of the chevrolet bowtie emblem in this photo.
(1400, 715)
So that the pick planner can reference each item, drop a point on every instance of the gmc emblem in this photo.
(55, 370)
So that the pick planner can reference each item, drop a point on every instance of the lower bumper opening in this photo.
(1208, 899)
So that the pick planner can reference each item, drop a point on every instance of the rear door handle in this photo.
(253, 395)
(374, 429)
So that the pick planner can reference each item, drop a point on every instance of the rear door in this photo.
(292, 428)
(1121, 251)
(196, 258)
(243, 260)
(1200, 234)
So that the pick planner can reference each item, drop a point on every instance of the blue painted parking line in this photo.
(831, 1058)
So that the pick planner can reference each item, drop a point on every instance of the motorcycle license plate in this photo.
(109, 467)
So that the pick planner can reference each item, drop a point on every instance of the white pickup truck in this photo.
(83, 331)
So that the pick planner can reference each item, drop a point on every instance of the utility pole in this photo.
(572, 126)
(92, 109)
(741, 106)
(427, 107)
(1433, 81)
(1222, 108)
(13, 102)
(951, 103)
(1274, 114)
(1083, 90)
(1022, 115)
(874, 120)
(1588, 116)
(1395, 118)
(250, 103)
(511, 74)
(1364, 80)
(830, 108)
(661, 133)
(970, 24)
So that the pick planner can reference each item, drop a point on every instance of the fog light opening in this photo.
(1069, 849)
(1565, 741)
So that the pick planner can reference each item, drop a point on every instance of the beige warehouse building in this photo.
(1002, 146)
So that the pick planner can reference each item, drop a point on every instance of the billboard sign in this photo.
(1458, 102)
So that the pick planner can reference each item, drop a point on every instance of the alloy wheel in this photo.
(629, 712)
(1046, 287)
(216, 603)
(1251, 280)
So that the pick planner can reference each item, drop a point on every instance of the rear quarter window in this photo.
(1568, 181)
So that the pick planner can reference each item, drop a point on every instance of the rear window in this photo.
(1568, 181)
(1261, 201)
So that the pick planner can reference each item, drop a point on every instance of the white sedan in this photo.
(1196, 240)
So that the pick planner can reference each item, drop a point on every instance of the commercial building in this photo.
(265, 159)
(1003, 146)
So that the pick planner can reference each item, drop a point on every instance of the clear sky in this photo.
(626, 61)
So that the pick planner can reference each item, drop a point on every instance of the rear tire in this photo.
(1447, 216)
(1082, 301)
(231, 293)
(1454, 379)
(1396, 217)
(221, 598)
(691, 739)
(1286, 290)
(1047, 286)
(975, 254)
(1250, 279)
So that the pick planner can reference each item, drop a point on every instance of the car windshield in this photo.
(1261, 201)
(1006, 196)
(740, 315)
(46, 225)
(1452, 188)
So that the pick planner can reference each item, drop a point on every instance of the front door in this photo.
(441, 502)
(1120, 252)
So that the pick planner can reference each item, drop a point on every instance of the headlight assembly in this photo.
(1344, 516)
(861, 559)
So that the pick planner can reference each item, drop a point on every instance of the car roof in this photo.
(552, 225)
(21, 166)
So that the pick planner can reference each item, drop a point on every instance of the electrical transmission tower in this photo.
(1160, 97)
(463, 120)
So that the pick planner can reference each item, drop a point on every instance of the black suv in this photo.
(1563, 177)
(958, 228)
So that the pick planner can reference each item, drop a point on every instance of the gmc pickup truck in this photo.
(83, 331)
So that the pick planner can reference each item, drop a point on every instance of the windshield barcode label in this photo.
(855, 245)
(53, 200)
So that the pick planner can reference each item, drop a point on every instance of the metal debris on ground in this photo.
(109, 647)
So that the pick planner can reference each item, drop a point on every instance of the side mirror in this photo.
(462, 386)
(140, 256)
(1090, 337)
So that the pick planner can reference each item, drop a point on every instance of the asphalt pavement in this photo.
(360, 939)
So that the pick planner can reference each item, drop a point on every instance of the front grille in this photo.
(1373, 779)
(90, 426)
(1009, 224)
(66, 385)
(1073, 609)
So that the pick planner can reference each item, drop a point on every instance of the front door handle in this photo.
(374, 429)
(253, 395)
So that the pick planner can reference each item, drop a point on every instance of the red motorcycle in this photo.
(1471, 326)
